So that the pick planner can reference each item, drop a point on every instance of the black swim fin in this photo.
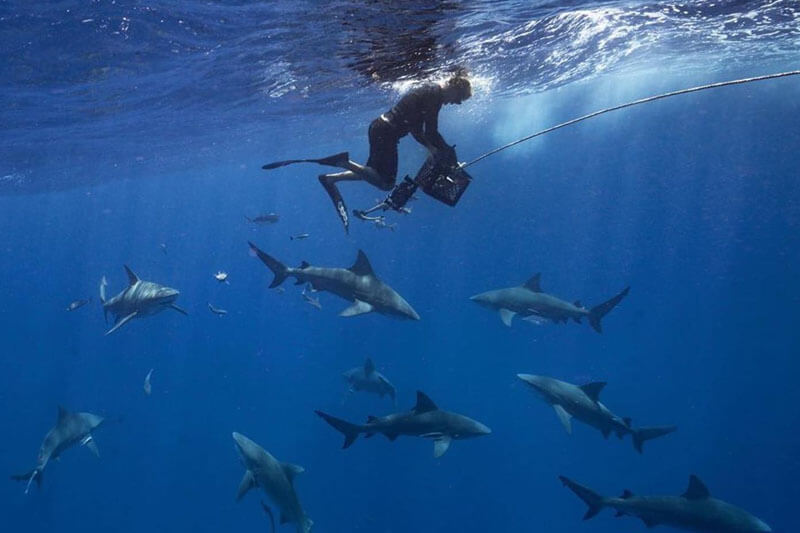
(339, 160)
(338, 202)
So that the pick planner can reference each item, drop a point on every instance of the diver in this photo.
(417, 113)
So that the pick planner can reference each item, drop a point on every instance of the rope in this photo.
(631, 104)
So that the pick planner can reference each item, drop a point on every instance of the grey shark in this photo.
(357, 284)
(139, 299)
(70, 429)
(694, 510)
(366, 378)
(583, 403)
(273, 477)
(217, 311)
(528, 300)
(424, 420)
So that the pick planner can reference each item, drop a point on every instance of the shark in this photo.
(694, 510)
(357, 284)
(583, 403)
(139, 299)
(70, 429)
(275, 478)
(366, 378)
(528, 300)
(425, 420)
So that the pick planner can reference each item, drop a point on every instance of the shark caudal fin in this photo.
(350, 431)
(597, 312)
(29, 477)
(280, 270)
(642, 435)
(595, 501)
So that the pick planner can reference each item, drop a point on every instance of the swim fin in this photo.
(339, 160)
(338, 202)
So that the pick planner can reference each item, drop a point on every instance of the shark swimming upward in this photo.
(139, 299)
(70, 429)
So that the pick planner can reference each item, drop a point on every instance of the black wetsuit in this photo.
(416, 113)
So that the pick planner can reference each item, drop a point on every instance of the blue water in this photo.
(693, 201)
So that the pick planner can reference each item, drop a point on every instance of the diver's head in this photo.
(457, 89)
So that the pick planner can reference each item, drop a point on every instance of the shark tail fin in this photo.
(642, 435)
(280, 270)
(29, 477)
(350, 431)
(597, 312)
(589, 497)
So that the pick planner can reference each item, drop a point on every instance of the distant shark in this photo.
(70, 429)
(528, 300)
(424, 420)
(139, 299)
(584, 404)
(357, 284)
(366, 378)
(273, 477)
(694, 510)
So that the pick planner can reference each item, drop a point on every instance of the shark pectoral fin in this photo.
(358, 308)
(178, 309)
(292, 470)
(565, 418)
(122, 322)
(248, 482)
(507, 315)
(89, 442)
(441, 445)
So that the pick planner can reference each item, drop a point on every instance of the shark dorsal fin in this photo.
(533, 283)
(626, 494)
(132, 278)
(292, 470)
(362, 267)
(696, 489)
(369, 366)
(424, 404)
(304, 264)
(62, 413)
(592, 390)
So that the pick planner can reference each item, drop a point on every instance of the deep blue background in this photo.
(694, 202)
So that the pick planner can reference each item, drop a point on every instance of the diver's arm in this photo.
(433, 139)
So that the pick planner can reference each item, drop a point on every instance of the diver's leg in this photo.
(328, 181)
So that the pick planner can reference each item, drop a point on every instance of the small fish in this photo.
(147, 387)
(268, 218)
(163, 247)
(314, 302)
(217, 311)
(380, 223)
(299, 236)
(222, 277)
(77, 304)
(269, 514)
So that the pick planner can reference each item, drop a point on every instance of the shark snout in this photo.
(482, 429)
(481, 299)
(532, 380)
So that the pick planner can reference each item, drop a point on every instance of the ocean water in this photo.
(131, 124)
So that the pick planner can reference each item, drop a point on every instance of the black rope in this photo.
(630, 104)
